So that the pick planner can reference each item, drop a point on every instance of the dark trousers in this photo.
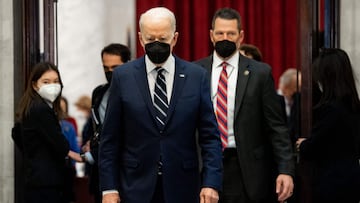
(44, 195)
(158, 196)
(233, 185)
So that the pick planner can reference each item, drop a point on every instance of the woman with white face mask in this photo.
(40, 138)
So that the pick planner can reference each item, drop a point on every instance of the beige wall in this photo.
(350, 33)
(84, 28)
(6, 102)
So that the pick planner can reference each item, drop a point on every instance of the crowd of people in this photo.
(163, 129)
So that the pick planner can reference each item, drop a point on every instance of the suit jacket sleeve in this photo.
(209, 140)
(279, 135)
(110, 138)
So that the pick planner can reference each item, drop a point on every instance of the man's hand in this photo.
(111, 198)
(209, 195)
(284, 187)
(298, 143)
(86, 147)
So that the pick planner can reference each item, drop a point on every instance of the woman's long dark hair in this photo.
(333, 71)
(30, 94)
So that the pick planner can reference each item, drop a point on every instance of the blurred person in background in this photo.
(82, 114)
(333, 145)
(113, 55)
(251, 51)
(64, 104)
(289, 88)
(70, 133)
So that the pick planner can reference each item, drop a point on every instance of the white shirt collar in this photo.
(169, 63)
(233, 60)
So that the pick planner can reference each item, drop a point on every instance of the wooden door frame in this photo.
(26, 55)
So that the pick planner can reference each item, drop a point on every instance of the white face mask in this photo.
(50, 91)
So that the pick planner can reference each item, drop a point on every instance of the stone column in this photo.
(350, 34)
(84, 28)
(6, 101)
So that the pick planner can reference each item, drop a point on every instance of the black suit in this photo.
(333, 150)
(45, 149)
(92, 132)
(295, 116)
(261, 135)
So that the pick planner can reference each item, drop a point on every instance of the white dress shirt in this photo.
(232, 71)
(169, 72)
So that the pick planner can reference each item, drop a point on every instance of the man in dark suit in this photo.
(252, 126)
(289, 88)
(148, 149)
(112, 56)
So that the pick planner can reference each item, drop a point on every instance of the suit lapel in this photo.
(179, 81)
(142, 81)
(241, 84)
(207, 64)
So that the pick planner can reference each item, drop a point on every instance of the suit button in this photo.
(161, 132)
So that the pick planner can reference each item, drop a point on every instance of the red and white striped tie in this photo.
(221, 106)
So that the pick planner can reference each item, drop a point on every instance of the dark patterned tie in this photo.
(221, 106)
(160, 97)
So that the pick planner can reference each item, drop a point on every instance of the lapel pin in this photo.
(246, 72)
(182, 75)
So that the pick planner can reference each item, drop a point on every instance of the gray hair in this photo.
(287, 77)
(159, 12)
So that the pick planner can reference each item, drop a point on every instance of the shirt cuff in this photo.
(89, 158)
(109, 192)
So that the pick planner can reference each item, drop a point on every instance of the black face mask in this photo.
(225, 48)
(108, 75)
(157, 51)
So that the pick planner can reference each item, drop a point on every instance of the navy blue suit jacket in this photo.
(132, 143)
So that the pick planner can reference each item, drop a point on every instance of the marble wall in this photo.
(84, 28)
(350, 34)
(6, 102)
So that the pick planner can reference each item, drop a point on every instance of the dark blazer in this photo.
(131, 142)
(94, 127)
(92, 132)
(44, 147)
(295, 117)
(260, 131)
(93, 124)
(333, 151)
(96, 99)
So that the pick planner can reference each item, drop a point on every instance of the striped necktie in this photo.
(221, 106)
(160, 97)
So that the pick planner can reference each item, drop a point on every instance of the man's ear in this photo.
(211, 36)
(141, 39)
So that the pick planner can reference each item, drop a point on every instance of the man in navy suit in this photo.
(157, 103)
